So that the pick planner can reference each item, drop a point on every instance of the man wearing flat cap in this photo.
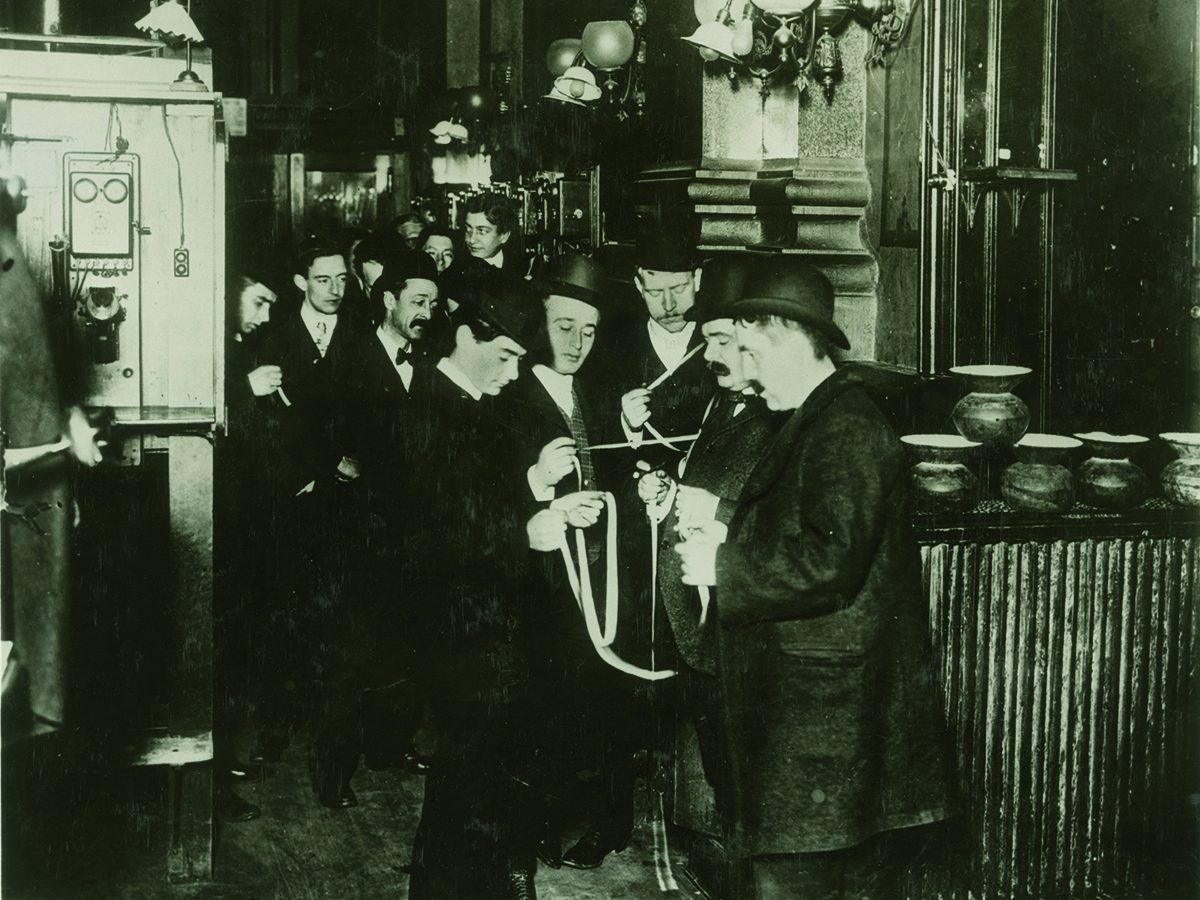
(836, 743)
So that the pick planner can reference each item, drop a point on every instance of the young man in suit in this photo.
(836, 750)
(365, 691)
(488, 226)
(467, 564)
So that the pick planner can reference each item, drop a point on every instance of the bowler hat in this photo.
(666, 251)
(786, 286)
(577, 277)
(508, 309)
(721, 286)
(399, 268)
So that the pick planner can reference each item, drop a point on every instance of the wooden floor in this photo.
(297, 850)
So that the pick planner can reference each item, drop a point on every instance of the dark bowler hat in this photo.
(786, 286)
(399, 268)
(577, 277)
(721, 286)
(666, 251)
(508, 309)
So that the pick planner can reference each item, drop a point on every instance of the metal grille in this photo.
(1070, 688)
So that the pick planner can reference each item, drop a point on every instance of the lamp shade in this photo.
(458, 132)
(556, 94)
(441, 129)
(578, 83)
(608, 45)
(784, 7)
(561, 55)
(715, 41)
(172, 20)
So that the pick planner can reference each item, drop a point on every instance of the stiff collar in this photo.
(558, 386)
(455, 374)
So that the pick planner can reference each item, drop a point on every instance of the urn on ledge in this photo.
(1109, 479)
(1181, 478)
(1039, 481)
(991, 413)
(940, 480)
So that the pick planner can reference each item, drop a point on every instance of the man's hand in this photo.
(84, 446)
(547, 530)
(653, 487)
(555, 462)
(265, 380)
(635, 408)
(349, 468)
(695, 504)
(582, 508)
(698, 554)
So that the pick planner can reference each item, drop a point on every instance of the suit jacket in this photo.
(833, 718)
(301, 425)
(721, 460)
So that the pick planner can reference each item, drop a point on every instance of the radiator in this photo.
(1070, 689)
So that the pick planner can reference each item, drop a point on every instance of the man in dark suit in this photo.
(365, 689)
(303, 474)
(836, 741)
(489, 222)
(467, 566)
(735, 433)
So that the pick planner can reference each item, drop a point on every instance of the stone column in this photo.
(787, 171)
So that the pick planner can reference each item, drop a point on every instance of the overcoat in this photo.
(832, 712)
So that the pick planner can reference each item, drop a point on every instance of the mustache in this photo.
(718, 368)
(418, 321)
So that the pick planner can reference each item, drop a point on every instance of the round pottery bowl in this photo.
(1181, 478)
(990, 379)
(947, 448)
(1102, 445)
(1045, 449)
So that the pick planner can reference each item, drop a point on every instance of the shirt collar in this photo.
(558, 386)
(455, 374)
(390, 343)
(497, 260)
(660, 334)
(310, 317)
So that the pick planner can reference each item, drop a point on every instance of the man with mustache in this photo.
(736, 431)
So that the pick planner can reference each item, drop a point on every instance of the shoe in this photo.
(589, 853)
(233, 808)
(550, 852)
(520, 885)
(416, 763)
(336, 796)
(408, 760)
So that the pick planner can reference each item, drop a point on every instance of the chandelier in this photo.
(786, 40)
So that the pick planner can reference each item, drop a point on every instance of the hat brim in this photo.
(773, 306)
(574, 291)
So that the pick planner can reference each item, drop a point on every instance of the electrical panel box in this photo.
(574, 209)
(101, 213)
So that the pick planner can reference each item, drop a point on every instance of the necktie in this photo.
(579, 434)
(401, 356)
(322, 337)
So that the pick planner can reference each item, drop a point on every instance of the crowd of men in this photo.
(550, 526)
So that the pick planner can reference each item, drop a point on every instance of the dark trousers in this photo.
(468, 836)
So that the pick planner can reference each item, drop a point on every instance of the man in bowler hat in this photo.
(836, 750)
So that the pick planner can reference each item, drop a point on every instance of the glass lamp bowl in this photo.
(562, 55)
(608, 45)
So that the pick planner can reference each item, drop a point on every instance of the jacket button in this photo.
(818, 796)
(665, 544)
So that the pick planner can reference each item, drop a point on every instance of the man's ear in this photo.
(639, 282)
(696, 279)
(389, 300)
(301, 282)
(504, 236)
(464, 337)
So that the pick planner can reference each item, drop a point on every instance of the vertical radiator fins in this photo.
(1069, 675)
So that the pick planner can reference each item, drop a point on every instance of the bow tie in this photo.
(401, 356)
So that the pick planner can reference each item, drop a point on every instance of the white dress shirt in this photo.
(391, 344)
(670, 347)
(497, 260)
(320, 326)
(558, 386)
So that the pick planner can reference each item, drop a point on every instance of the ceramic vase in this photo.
(1108, 478)
(990, 413)
(941, 481)
(1181, 478)
(1039, 481)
